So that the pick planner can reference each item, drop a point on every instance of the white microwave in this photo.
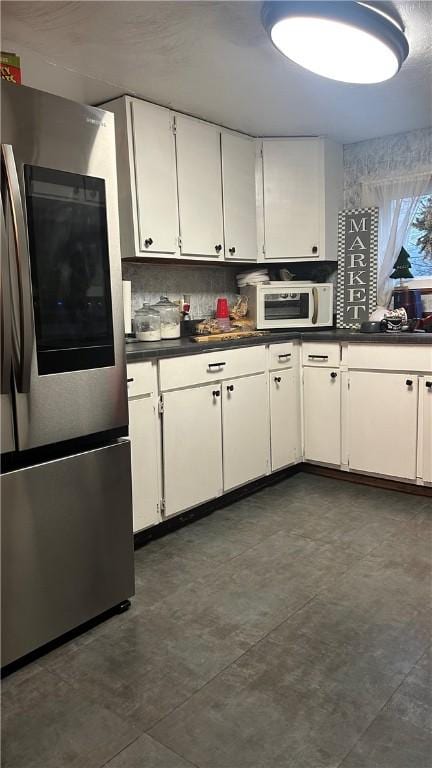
(290, 304)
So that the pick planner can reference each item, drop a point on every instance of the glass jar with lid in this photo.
(169, 318)
(147, 323)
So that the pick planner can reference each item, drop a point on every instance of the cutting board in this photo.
(228, 336)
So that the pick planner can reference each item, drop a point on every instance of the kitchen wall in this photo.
(375, 158)
(393, 155)
(204, 284)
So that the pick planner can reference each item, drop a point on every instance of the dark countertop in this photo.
(137, 351)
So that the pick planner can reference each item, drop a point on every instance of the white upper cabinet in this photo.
(146, 178)
(190, 189)
(302, 182)
(155, 174)
(199, 180)
(291, 198)
(239, 198)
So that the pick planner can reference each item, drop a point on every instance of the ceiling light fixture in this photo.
(342, 39)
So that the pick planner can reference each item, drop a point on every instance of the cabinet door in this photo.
(245, 430)
(192, 447)
(143, 425)
(239, 198)
(426, 427)
(199, 187)
(284, 417)
(293, 173)
(322, 415)
(382, 423)
(155, 178)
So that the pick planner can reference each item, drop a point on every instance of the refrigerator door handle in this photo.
(26, 330)
(5, 309)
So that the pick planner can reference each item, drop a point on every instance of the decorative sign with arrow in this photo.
(357, 266)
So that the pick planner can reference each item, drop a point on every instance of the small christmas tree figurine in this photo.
(401, 267)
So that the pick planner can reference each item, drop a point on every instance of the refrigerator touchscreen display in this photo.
(70, 273)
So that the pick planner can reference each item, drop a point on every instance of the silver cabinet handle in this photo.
(315, 296)
(5, 309)
(26, 330)
(318, 357)
(284, 356)
(215, 365)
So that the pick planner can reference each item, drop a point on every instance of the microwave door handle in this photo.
(26, 330)
(5, 309)
(315, 296)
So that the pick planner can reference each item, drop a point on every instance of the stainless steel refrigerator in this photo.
(66, 510)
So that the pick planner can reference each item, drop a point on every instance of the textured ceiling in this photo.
(214, 60)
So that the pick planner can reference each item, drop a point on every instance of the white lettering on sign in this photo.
(357, 243)
(357, 260)
(356, 294)
(355, 310)
(354, 227)
(355, 277)
(357, 265)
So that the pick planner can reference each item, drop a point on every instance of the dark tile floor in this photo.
(289, 630)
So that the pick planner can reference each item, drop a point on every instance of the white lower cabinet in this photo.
(192, 447)
(245, 430)
(143, 426)
(285, 432)
(144, 436)
(322, 414)
(425, 428)
(220, 434)
(382, 423)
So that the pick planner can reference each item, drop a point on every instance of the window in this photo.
(420, 267)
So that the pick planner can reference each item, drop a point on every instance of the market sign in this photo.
(357, 266)
(10, 67)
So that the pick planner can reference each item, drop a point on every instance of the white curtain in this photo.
(397, 199)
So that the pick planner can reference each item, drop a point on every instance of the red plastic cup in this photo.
(222, 309)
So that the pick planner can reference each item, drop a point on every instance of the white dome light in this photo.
(343, 41)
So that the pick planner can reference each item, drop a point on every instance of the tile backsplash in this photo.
(204, 284)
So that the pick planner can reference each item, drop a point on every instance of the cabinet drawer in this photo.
(141, 379)
(321, 354)
(180, 372)
(390, 357)
(283, 355)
